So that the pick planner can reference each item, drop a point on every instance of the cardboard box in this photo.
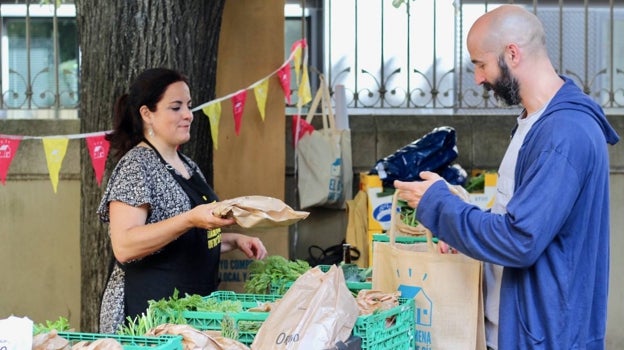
(485, 200)
(379, 206)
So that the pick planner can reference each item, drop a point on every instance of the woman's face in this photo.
(171, 121)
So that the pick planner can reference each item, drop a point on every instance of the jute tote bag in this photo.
(446, 289)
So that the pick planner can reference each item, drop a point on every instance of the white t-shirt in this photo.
(492, 274)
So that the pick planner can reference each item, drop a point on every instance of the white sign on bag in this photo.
(16, 333)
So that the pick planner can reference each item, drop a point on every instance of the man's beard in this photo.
(506, 88)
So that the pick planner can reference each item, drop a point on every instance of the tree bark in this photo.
(118, 39)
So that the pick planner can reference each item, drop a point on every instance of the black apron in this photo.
(189, 264)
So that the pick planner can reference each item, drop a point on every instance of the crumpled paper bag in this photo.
(316, 312)
(259, 212)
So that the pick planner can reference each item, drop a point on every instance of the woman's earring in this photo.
(150, 131)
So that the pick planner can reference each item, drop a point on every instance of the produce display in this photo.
(228, 320)
(273, 271)
(172, 310)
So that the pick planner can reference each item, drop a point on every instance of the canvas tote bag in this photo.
(324, 165)
(446, 289)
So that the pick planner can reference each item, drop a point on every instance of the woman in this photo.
(159, 205)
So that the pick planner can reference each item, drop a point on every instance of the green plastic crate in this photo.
(163, 342)
(385, 330)
(212, 320)
(382, 237)
(391, 329)
(352, 285)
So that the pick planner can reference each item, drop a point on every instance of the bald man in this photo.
(545, 242)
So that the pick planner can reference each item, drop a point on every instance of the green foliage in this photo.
(228, 328)
(139, 325)
(273, 269)
(408, 214)
(61, 325)
(476, 183)
(47, 2)
(398, 3)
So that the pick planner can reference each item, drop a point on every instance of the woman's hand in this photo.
(202, 216)
(251, 246)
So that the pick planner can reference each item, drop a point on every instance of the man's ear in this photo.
(512, 52)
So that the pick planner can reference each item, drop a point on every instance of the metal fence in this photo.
(39, 59)
(413, 58)
(406, 60)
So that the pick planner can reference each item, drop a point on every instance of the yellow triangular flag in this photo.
(297, 62)
(55, 149)
(304, 93)
(213, 112)
(261, 91)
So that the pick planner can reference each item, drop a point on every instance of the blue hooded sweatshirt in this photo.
(554, 240)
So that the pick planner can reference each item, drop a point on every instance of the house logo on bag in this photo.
(335, 183)
(422, 315)
(424, 305)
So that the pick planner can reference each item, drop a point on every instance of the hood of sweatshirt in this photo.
(574, 98)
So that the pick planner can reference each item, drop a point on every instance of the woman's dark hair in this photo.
(146, 90)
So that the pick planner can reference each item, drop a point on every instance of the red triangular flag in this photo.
(284, 77)
(8, 148)
(238, 105)
(98, 150)
(300, 127)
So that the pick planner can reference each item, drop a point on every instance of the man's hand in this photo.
(412, 192)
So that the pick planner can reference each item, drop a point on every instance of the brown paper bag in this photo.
(446, 289)
(259, 211)
(316, 312)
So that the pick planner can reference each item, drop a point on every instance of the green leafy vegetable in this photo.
(273, 269)
(476, 183)
(407, 214)
(61, 325)
(228, 328)
(139, 325)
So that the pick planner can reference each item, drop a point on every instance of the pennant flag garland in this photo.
(98, 150)
(261, 92)
(55, 149)
(8, 148)
(238, 106)
(213, 112)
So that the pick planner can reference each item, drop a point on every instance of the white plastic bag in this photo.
(16, 333)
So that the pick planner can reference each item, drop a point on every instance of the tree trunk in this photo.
(118, 39)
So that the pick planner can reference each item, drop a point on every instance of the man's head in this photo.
(502, 44)
(506, 87)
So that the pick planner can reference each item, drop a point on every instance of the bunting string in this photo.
(55, 146)
(71, 137)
